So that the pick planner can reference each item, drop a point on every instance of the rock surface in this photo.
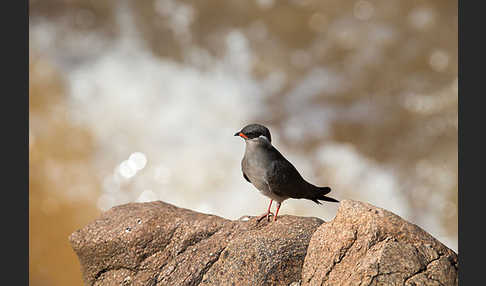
(159, 244)
(366, 245)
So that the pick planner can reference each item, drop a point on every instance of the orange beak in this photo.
(241, 135)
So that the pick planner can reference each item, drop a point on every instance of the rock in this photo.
(367, 245)
(269, 255)
(159, 244)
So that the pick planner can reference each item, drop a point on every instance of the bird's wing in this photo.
(284, 180)
(246, 178)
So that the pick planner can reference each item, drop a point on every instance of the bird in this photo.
(272, 174)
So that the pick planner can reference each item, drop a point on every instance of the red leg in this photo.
(269, 206)
(267, 213)
(276, 212)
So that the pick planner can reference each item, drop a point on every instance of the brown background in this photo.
(359, 95)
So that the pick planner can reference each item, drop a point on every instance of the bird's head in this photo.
(252, 131)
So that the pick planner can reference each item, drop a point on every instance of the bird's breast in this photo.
(254, 165)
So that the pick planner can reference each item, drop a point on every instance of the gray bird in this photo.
(272, 174)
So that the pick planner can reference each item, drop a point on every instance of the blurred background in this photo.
(134, 101)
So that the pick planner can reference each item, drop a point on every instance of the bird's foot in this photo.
(266, 214)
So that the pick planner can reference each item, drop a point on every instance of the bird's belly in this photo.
(256, 175)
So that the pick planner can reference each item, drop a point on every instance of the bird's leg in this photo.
(276, 212)
(267, 213)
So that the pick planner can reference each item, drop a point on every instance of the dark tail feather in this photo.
(320, 195)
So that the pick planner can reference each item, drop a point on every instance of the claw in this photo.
(267, 215)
